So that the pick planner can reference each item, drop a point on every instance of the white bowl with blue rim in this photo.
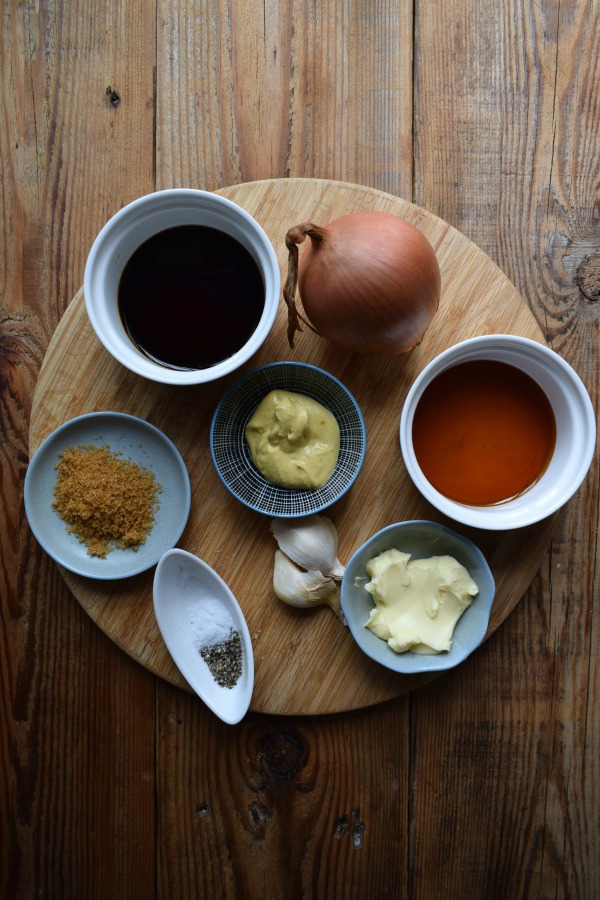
(231, 455)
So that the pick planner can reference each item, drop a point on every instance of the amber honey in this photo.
(483, 432)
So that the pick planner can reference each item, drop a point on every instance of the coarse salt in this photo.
(210, 622)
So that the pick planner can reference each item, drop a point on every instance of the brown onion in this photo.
(369, 282)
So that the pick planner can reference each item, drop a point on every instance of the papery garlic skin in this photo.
(304, 589)
(299, 588)
(311, 542)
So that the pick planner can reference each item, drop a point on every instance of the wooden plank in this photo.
(508, 151)
(77, 772)
(256, 90)
(340, 92)
(288, 807)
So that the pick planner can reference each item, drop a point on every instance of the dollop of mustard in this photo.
(294, 441)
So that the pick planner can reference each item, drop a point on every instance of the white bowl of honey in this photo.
(182, 286)
(498, 432)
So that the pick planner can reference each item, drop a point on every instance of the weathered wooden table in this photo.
(117, 782)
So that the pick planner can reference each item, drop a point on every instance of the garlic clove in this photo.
(299, 588)
(304, 589)
(311, 542)
(337, 569)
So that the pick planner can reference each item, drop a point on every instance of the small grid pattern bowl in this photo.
(231, 455)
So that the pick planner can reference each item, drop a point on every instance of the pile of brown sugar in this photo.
(106, 500)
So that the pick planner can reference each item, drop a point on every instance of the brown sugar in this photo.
(106, 500)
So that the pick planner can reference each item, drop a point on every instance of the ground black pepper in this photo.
(224, 659)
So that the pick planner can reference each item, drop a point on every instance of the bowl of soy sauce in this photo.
(182, 286)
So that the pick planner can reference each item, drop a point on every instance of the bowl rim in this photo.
(253, 373)
(500, 517)
(155, 202)
(410, 663)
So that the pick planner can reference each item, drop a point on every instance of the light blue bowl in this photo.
(137, 440)
(421, 539)
(231, 456)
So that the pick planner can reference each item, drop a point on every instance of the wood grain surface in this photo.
(304, 662)
(115, 782)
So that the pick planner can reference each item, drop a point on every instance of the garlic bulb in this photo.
(304, 589)
(311, 542)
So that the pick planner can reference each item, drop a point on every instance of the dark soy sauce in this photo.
(190, 296)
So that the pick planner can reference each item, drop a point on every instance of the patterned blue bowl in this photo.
(231, 455)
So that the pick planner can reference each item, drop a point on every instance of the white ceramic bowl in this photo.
(133, 225)
(575, 431)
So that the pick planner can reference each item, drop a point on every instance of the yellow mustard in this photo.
(294, 441)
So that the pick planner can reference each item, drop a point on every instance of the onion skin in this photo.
(369, 282)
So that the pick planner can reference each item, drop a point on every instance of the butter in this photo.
(294, 441)
(417, 602)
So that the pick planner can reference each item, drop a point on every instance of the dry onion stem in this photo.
(107, 501)
(293, 238)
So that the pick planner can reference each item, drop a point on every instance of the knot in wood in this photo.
(282, 755)
(587, 278)
(113, 97)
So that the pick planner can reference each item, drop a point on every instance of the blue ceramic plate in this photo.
(231, 455)
(136, 440)
(421, 539)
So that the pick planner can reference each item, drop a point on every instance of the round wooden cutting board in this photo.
(305, 662)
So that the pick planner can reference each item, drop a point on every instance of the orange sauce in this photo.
(483, 432)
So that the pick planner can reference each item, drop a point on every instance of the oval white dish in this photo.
(195, 610)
